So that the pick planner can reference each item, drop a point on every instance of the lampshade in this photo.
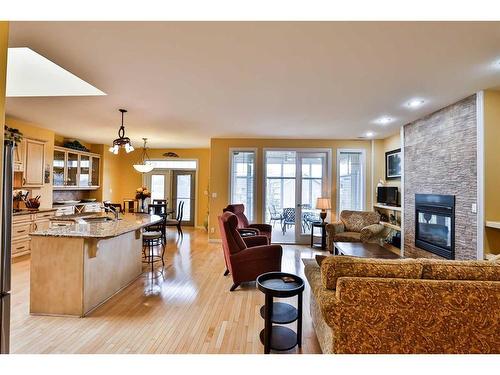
(323, 203)
(143, 166)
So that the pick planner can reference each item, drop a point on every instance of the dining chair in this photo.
(177, 222)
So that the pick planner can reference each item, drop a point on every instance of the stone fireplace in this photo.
(440, 160)
(435, 224)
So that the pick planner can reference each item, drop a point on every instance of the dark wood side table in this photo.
(322, 225)
(277, 337)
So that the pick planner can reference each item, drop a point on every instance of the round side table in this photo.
(280, 285)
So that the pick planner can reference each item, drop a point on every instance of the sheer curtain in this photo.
(351, 182)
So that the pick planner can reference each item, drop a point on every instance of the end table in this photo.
(322, 225)
(280, 285)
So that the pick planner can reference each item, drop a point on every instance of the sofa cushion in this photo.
(484, 270)
(354, 221)
(347, 237)
(334, 267)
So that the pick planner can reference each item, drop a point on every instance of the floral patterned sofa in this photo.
(361, 305)
(354, 226)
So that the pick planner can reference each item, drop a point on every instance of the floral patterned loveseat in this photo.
(362, 305)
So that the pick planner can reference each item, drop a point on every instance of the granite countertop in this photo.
(100, 230)
(28, 211)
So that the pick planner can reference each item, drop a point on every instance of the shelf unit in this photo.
(386, 207)
(493, 224)
(391, 226)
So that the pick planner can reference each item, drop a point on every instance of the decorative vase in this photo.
(142, 205)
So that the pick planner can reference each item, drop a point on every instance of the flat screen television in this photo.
(387, 195)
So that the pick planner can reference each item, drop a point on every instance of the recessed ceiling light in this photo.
(384, 120)
(415, 103)
(370, 134)
(31, 74)
(496, 64)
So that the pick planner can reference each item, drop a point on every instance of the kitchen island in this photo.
(76, 268)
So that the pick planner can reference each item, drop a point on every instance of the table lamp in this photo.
(323, 204)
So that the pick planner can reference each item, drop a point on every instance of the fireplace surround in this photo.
(435, 224)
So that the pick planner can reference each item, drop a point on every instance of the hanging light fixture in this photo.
(121, 141)
(143, 166)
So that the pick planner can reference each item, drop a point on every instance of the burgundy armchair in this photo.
(246, 257)
(244, 227)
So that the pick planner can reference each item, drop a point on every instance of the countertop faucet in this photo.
(112, 209)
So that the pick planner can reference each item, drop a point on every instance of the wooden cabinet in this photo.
(23, 225)
(19, 156)
(34, 162)
(75, 170)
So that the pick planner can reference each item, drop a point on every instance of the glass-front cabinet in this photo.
(58, 168)
(73, 169)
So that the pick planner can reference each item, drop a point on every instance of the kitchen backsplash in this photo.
(73, 195)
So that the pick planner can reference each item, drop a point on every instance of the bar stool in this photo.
(149, 241)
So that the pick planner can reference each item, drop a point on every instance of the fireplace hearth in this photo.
(435, 224)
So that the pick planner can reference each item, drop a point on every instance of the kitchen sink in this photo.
(100, 219)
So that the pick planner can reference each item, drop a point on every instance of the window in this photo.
(243, 180)
(157, 186)
(351, 181)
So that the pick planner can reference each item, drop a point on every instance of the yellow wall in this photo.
(219, 169)
(129, 179)
(380, 147)
(4, 39)
(492, 169)
(34, 131)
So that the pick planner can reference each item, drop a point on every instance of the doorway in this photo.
(294, 179)
(175, 186)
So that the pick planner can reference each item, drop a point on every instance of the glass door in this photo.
(293, 181)
(72, 169)
(95, 171)
(183, 184)
(84, 175)
(58, 178)
(312, 183)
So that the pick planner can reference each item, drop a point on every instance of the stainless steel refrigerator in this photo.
(5, 250)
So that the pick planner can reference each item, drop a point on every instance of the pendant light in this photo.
(143, 166)
(121, 141)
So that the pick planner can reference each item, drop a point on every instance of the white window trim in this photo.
(230, 184)
(363, 177)
(329, 167)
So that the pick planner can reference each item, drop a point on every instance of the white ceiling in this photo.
(185, 82)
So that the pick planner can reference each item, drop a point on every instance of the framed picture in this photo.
(393, 164)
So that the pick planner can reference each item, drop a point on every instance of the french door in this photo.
(174, 186)
(183, 183)
(294, 179)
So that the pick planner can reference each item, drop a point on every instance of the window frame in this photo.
(363, 177)
(253, 217)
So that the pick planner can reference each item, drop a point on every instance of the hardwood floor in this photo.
(188, 310)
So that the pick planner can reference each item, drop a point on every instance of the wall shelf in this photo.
(389, 225)
(493, 224)
(386, 207)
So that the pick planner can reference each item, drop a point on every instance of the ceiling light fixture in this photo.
(384, 120)
(415, 103)
(370, 134)
(121, 141)
(143, 165)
